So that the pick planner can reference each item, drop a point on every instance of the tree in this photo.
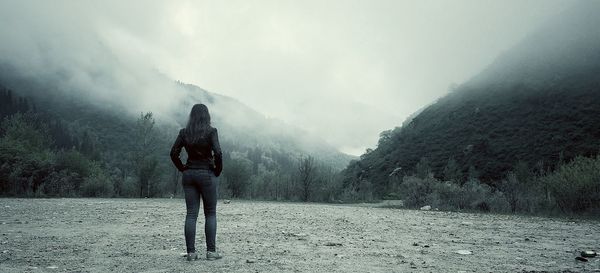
(238, 173)
(510, 187)
(423, 168)
(452, 172)
(144, 159)
(88, 146)
(307, 171)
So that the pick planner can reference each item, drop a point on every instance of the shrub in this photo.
(473, 195)
(446, 196)
(62, 183)
(416, 190)
(576, 186)
(97, 184)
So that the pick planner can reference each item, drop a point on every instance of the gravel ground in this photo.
(146, 235)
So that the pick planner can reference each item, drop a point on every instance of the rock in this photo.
(588, 254)
(463, 252)
(226, 201)
(581, 259)
(250, 261)
(428, 207)
(333, 244)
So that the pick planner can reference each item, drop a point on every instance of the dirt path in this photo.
(146, 235)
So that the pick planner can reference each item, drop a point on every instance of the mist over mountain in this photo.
(239, 125)
(59, 138)
(537, 104)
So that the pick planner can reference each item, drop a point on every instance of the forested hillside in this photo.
(55, 143)
(537, 106)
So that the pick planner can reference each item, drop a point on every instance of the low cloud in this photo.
(345, 70)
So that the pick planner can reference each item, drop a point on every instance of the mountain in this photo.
(239, 125)
(246, 127)
(536, 104)
(94, 140)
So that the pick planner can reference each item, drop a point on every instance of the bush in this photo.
(416, 191)
(473, 195)
(97, 184)
(446, 196)
(62, 183)
(576, 186)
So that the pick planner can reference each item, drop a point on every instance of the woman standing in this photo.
(203, 166)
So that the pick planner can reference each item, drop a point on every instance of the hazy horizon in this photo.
(345, 70)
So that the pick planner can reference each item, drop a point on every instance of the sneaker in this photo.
(213, 255)
(192, 256)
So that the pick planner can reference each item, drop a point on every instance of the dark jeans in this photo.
(200, 184)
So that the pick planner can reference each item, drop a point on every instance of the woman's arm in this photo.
(176, 150)
(216, 148)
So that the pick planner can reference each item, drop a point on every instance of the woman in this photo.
(203, 166)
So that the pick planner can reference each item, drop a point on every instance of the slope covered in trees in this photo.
(536, 106)
(58, 143)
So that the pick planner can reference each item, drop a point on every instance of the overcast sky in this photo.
(344, 69)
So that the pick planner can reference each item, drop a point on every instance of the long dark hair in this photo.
(198, 125)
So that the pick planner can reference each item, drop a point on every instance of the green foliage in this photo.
(143, 155)
(452, 171)
(423, 169)
(31, 167)
(416, 191)
(26, 160)
(472, 195)
(69, 135)
(73, 161)
(576, 185)
(97, 184)
(237, 173)
(26, 131)
(526, 108)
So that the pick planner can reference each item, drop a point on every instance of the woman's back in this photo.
(203, 166)
(202, 147)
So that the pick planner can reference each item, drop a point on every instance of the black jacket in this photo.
(200, 153)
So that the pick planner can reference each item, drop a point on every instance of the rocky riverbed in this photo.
(146, 235)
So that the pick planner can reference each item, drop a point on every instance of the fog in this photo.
(345, 70)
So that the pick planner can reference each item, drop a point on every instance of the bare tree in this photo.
(307, 170)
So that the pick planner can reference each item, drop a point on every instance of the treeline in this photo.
(81, 151)
(573, 187)
(33, 165)
(48, 154)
